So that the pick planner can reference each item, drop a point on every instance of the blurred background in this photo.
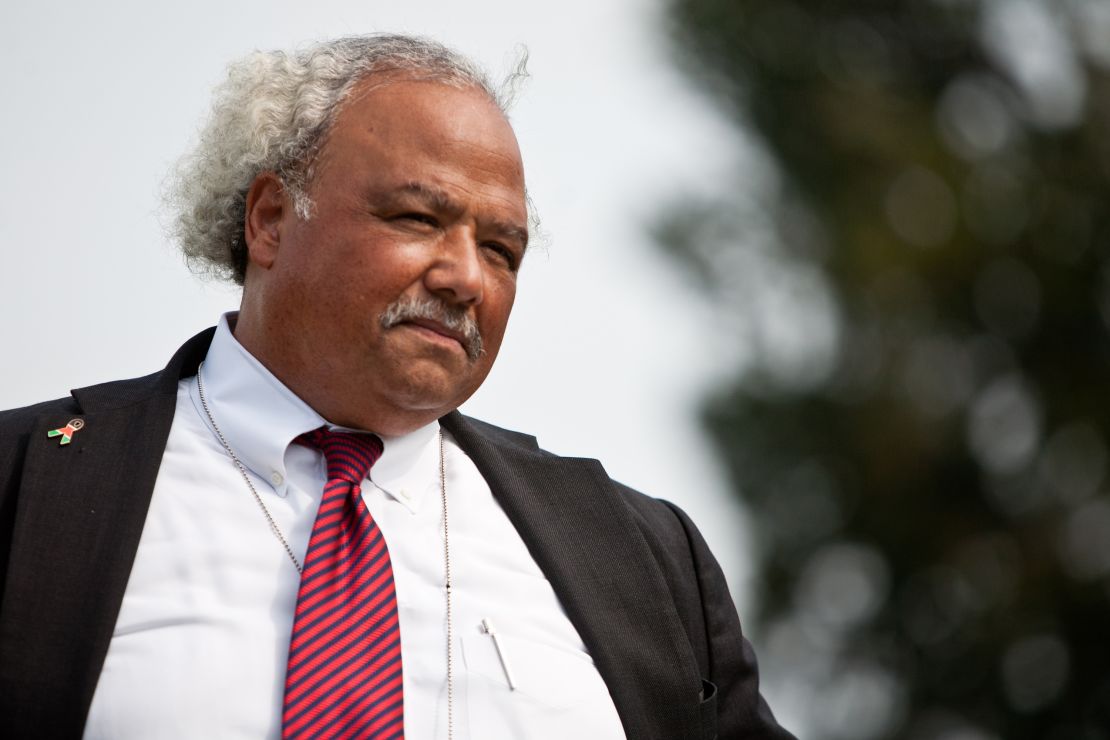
(831, 276)
(917, 274)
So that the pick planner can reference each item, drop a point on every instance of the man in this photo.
(222, 549)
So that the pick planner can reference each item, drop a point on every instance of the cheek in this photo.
(350, 284)
(495, 314)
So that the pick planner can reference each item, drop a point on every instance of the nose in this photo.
(456, 274)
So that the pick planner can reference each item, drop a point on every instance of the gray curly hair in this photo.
(273, 113)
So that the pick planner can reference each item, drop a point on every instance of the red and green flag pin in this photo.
(67, 432)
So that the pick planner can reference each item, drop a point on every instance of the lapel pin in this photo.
(67, 432)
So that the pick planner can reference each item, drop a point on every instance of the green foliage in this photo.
(919, 278)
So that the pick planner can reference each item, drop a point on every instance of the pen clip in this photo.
(487, 627)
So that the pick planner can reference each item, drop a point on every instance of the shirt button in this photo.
(405, 494)
(277, 478)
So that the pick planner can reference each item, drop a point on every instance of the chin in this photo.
(425, 384)
(426, 394)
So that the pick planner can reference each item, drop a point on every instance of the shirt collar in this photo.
(260, 417)
(409, 466)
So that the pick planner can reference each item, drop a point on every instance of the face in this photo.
(368, 309)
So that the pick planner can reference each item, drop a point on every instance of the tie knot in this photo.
(349, 455)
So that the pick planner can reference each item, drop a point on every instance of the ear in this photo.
(265, 209)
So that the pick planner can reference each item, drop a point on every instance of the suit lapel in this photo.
(586, 541)
(81, 512)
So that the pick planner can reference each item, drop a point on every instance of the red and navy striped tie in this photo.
(343, 679)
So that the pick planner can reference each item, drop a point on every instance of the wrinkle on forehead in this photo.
(379, 81)
(468, 102)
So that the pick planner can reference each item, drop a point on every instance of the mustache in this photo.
(407, 308)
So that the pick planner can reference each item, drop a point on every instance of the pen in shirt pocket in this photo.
(487, 627)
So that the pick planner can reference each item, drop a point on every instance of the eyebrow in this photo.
(433, 196)
(440, 200)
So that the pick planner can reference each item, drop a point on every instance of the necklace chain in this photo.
(447, 589)
(297, 564)
(243, 472)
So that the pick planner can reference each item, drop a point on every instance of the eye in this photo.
(417, 217)
(503, 252)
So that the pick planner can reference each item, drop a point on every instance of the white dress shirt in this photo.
(200, 646)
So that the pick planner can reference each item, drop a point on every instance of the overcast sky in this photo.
(608, 348)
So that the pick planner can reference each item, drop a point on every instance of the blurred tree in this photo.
(916, 272)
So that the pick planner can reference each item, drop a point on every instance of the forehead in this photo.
(413, 129)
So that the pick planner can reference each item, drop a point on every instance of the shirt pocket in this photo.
(557, 693)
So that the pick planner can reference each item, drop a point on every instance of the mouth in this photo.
(437, 331)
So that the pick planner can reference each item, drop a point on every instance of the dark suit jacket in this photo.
(634, 575)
